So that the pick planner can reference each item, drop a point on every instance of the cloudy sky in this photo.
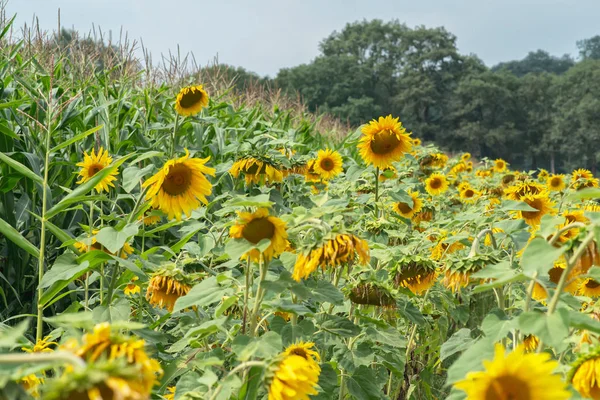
(266, 35)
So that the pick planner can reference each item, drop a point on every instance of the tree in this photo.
(537, 62)
(589, 49)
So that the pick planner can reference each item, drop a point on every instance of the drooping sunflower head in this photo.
(459, 270)
(328, 164)
(582, 174)
(469, 195)
(458, 168)
(371, 293)
(507, 179)
(180, 186)
(499, 165)
(334, 251)
(106, 380)
(444, 246)
(257, 169)
(106, 344)
(409, 210)
(415, 273)
(542, 205)
(542, 175)
(555, 183)
(585, 183)
(584, 372)
(293, 377)
(167, 284)
(92, 164)
(523, 188)
(191, 100)
(384, 141)
(259, 225)
(436, 184)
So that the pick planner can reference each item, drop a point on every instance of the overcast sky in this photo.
(266, 35)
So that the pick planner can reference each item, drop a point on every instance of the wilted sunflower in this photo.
(341, 249)
(584, 374)
(104, 343)
(458, 272)
(518, 375)
(409, 211)
(415, 273)
(259, 170)
(180, 186)
(436, 184)
(499, 165)
(443, 247)
(191, 100)
(293, 378)
(469, 195)
(384, 141)
(541, 203)
(371, 293)
(523, 188)
(258, 226)
(168, 284)
(426, 214)
(328, 164)
(89, 244)
(94, 163)
(530, 343)
(555, 183)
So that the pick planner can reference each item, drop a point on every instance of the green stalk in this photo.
(260, 292)
(376, 192)
(25, 358)
(87, 276)
(113, 281)
(174, 137)
(246, 295)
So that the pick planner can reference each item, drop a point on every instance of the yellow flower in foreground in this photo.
(518, 375)
(542, 204)
(191, 100)
(31, 383)
(408, 211)
(339, 250)
(584, 375)
(384, 141)
(171, 394)
(180, 186)
(304, 350)
(328, 164)
(94, 163)
(499, 165)
(436, 184)
(556, 183)
(257, 226)
(166, 286)
(256, 171)
(295, 378)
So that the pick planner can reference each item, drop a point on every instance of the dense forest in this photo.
(539, 112)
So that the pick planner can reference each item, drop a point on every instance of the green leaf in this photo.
(402, 197)
(515, 205)
(253, 383)
(579, 320)
(113, 313)
(496, 325)
(460, 341)
(551, 329)
(65, 268)
(363, 384)
(190, 230)
(262, 200)
(22, 169)
(76, 138)
(132, 176)
(471, 359)
(203, 294)
(539, 256)
(81, 320)
(11, 104)
(338, 326)
(114, 240)
(14, 236)
(75, 195)
(11, 336)
(587, 193)
(410, 312)
(235, 248)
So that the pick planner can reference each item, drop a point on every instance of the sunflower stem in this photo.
(246, 295)
(247, 364)
(113, 281)
(174, 137)
(376, 192)
(263, 266)
(26, 358)
(87, 276)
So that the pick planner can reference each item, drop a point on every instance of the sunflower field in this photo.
(164, 240)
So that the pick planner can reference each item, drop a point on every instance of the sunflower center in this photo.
(535, 203)
(384, 143)
(94, 169)
(592, 284)
(258, 229)
(178, 180)
(191, 98)
(508, 387)
(555, 182)
(469, 193)
(300, 352)
(404, 207)
(435, 183)
(327, 164)
(555, 274)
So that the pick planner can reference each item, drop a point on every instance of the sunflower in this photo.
(191, 100)
(132, 288)
(543, 175)
(556, 272)
(341, 249)
(371, 293)
(310, 175)
(582, 174)
(458, 272)
(258, 226)
(171, 394)
(90, 244)
(31, 383)
(469, 195)
(150, 218)
(590, 256)
(304, 350)
(436, 184)
(518, 375)
(585, 183)
(384, 141)
(555, 183)
(442, 247)
(541, 203)
(523, 188)
(530, 343)
(328, 164)
(180, 186)
(590, 288)
(584, 374)
(294, 378)
(107, 344)
(424, 215)
(499, 165)
(439, 160)
(483, 173)
(507, 179)
(416, 273)
(41, 346)
(257, 170)
(94, 163)
(416, 142)
(409, 211)
(465, 157)
(168, 284)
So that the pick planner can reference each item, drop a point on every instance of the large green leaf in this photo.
(14, 236)
(75, 138)
(21, 168)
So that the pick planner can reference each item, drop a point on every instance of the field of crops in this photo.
(171, 239)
